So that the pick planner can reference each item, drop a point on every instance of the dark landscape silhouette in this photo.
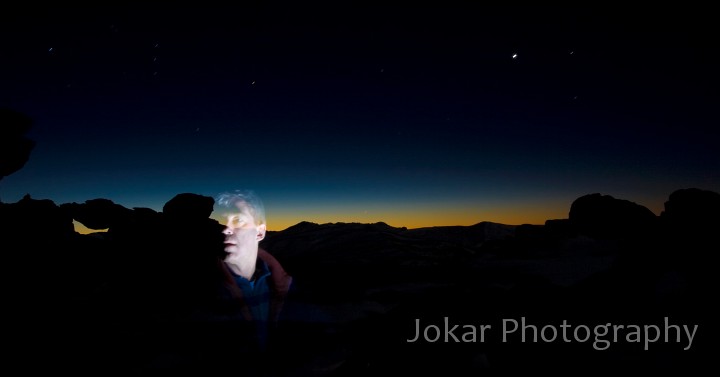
(127, 299)
(15, 147)
(121, 296)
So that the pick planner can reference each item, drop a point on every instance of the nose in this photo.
(227, 231)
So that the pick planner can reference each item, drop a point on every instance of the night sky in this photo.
(411, 116)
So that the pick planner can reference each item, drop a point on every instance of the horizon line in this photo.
(84, 230)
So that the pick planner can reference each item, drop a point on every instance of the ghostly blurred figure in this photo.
(255, 284)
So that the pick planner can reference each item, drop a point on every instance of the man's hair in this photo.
(229, 200)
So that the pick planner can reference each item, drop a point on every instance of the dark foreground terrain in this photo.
(118, 301)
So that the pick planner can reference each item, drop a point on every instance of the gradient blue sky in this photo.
(415, 117)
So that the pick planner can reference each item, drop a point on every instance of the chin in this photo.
(231, 254)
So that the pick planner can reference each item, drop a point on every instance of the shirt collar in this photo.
(262, 270)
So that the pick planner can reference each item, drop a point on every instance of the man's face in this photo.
(241, 233)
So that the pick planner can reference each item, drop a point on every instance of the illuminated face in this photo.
(242, 234)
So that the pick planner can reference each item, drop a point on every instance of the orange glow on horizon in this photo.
(82, 229)
(414, 217)
(411, 221)
(282, 216)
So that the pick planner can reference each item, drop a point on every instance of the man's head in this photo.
(244, 217)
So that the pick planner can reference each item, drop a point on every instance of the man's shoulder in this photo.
(279, 278)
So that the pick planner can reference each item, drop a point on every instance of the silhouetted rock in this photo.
(603, 216)
(530, 232)
(691, 221)
(189, 206)
(37, 240)
(33, 217)
(693, 207)
(189, 260)
(98, 213)
(560, 228)
(15, 148)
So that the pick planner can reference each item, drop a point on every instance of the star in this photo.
(515, 56)
(50, 49)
